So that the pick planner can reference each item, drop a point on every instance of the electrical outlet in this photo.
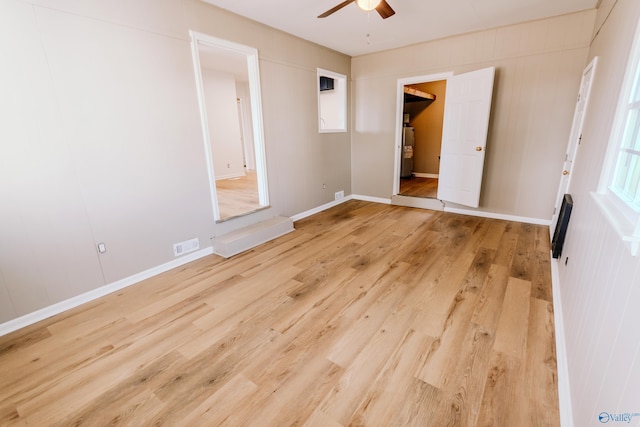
(339, 195)
(102, 248)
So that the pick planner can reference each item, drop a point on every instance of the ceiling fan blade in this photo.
(336, 8)
(385, 10)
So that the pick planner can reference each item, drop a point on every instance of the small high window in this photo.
(332, 101)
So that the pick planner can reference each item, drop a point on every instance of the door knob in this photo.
(565, 172)
(478, 148)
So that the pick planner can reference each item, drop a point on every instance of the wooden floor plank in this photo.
(419, 187)
(540, 362)
(426, 405)
(390, 386)
(436, 302)
(511, 334)
(79, 387)
(344, 399)
(438, 366)
(504, 401)
(507, 247)
(541, 277)
(131, 399)
(467, 372)
(492, 239)
(365, 317)
(524, 256)
(313, 377)
(367, 314)
(223, 404)
(239, 195)
(489, 307)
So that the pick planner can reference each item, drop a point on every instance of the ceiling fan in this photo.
(381, 6)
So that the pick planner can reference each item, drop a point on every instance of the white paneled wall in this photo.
(599, 279)
(600, 287)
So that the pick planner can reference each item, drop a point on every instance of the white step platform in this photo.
(238, 241)
(417, 202)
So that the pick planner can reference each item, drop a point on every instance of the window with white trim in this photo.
(626, 176)
(619, 191)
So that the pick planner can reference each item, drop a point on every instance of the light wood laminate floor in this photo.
(238, 196)
(367, 314)
(419, 187)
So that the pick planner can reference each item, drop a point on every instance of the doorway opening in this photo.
(423, 117)
(228, 83)
(417, 187)
(464, 129)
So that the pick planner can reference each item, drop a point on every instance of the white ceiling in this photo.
(415, 20)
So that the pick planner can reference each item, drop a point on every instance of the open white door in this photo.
(574, 139)
(464, 136)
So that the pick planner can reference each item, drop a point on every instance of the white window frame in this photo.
(339, 109)
(621, 212)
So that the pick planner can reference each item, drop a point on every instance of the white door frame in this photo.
(399, 118)
(575, 136)
(256, 112)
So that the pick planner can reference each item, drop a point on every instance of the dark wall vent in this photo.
(562, 225)
(326, 83)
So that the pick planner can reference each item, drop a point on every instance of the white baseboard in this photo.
(494, 215)
(417, 202)
(371, 199)
(426, 175)
(326, 206)
(319, 209)
(564, 388)
(52, 310)
(471, 212)
(231, 176)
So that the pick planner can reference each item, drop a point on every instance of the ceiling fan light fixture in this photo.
(368, 5)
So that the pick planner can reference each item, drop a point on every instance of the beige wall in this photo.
(101, 139)
(538, 67)
(600, 283)
(427, 123)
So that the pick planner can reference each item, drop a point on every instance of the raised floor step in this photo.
(238, 241)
